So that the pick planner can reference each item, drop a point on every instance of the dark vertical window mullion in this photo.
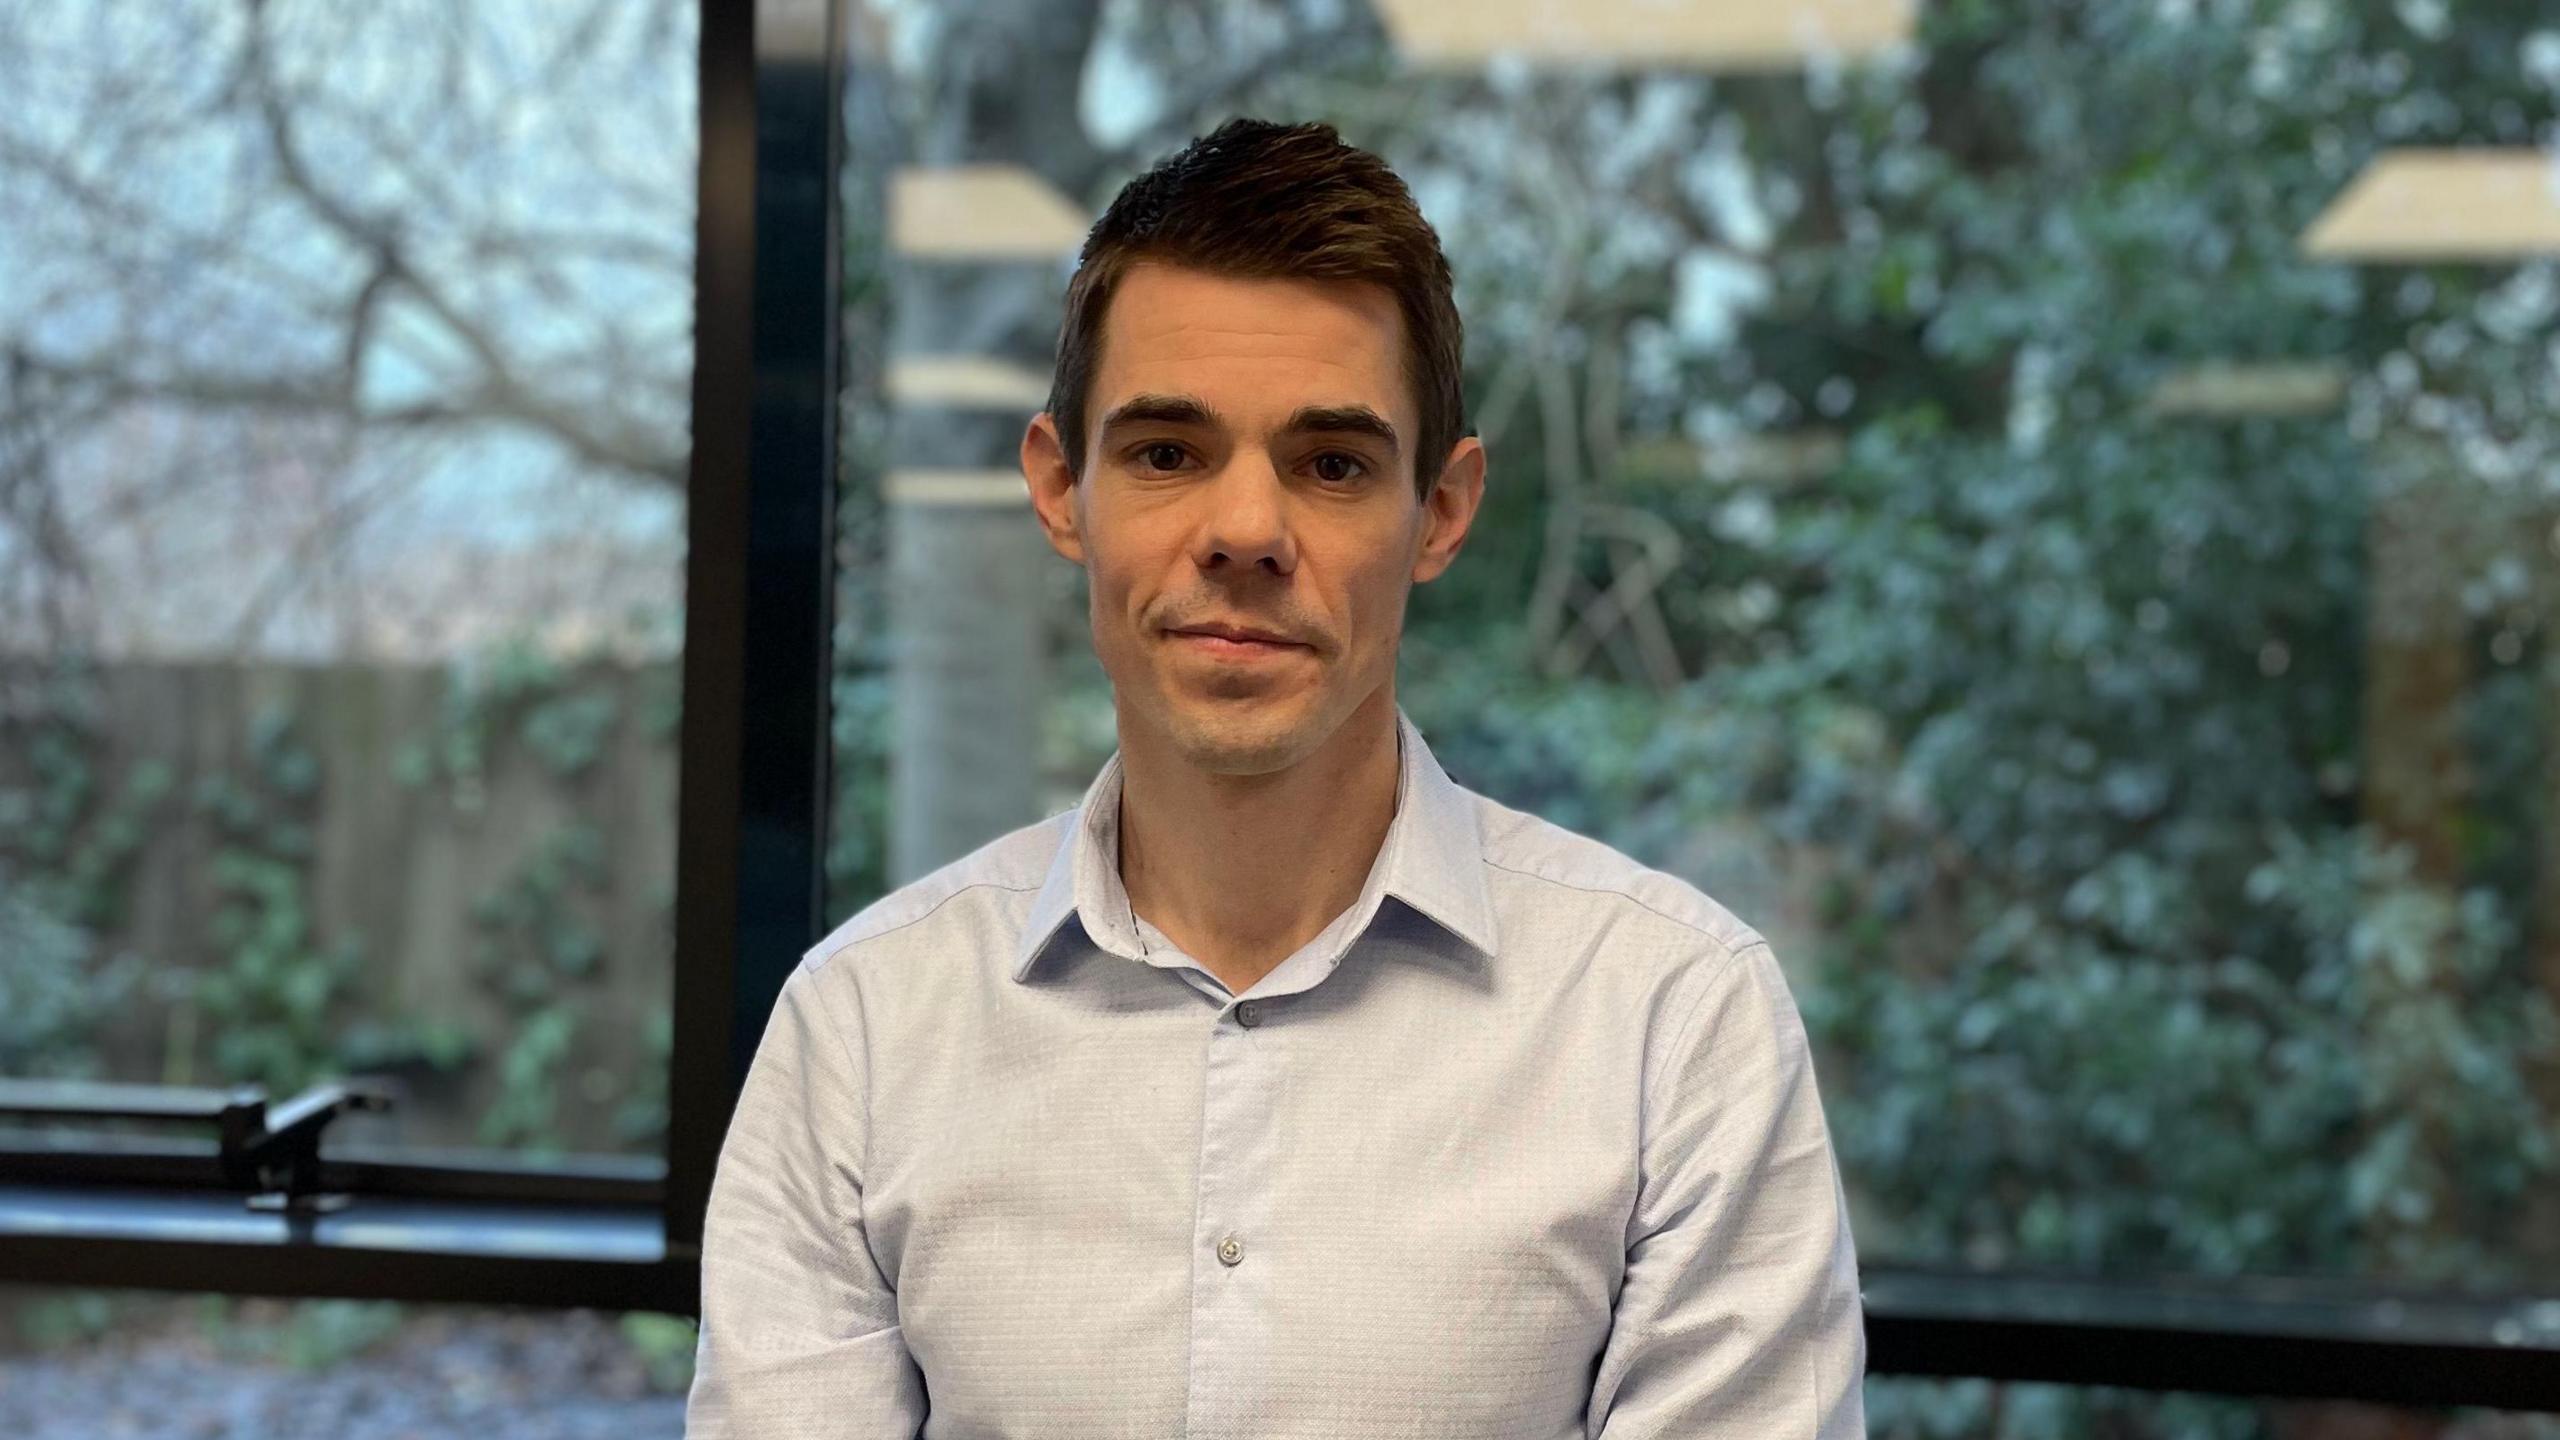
(750, 894)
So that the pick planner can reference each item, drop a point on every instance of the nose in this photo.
(1245, 524)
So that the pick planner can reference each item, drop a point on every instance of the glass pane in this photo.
(2052, 514)
(1914, 1409)
(348, 353)
(145, 1365)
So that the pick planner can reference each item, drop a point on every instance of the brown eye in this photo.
(1333, 467)
(1161, 456)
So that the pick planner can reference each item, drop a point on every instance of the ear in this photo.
(1053, 486)
(1448, 508)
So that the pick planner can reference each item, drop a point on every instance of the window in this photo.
(350, 440)
(350, 358)
(2048, 512)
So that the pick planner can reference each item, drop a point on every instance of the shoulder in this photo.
(1006, 866)
(1527, 849)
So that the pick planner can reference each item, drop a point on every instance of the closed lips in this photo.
(1236, 632)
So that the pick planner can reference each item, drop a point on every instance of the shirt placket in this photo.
(1237, 1254)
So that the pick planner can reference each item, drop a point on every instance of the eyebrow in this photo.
(1305, 420)
(1343, 420)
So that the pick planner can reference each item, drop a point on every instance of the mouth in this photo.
(1232, 642)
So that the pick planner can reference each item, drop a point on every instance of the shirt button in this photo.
(1249, 1014)
(1230, 1250)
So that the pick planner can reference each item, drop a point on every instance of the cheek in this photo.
(1115, 586)
(1136, 560)
(1375, 602)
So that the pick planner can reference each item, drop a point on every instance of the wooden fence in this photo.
(442, 843)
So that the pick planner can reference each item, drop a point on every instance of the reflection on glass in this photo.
(343, 440)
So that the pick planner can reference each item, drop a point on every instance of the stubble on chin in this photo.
(1237, 725)
(1239, 743)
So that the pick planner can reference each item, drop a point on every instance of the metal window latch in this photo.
(276, 1153)
(273, 1154)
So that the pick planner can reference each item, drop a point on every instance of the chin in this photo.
(1244, 737)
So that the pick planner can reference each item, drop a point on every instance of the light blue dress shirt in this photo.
(1525, 1144)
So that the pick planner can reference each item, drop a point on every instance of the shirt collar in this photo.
(1432, 860)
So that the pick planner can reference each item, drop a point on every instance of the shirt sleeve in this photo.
(1739, 1312)
(800, 1335)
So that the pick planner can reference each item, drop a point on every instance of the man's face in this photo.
(1249, 467)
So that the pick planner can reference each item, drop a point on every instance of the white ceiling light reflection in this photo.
(1733, 35)
(2418, 204)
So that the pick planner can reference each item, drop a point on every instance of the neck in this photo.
(1241, 870)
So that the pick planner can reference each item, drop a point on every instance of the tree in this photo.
(279, 267)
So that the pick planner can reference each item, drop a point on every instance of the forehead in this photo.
(1252, 345)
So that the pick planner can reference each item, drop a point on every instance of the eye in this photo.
(1160, 455)
(1337, 458)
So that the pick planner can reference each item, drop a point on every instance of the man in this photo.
(1284, 1087)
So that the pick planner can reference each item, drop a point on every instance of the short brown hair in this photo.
(1256, 199)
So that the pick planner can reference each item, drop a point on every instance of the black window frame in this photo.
(750, 893)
